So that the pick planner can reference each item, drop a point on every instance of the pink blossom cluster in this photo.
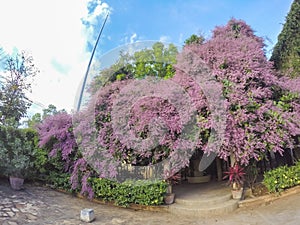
(56, 133)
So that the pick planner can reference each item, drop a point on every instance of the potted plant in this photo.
(236, 180)
(171, 180)
(16, 153)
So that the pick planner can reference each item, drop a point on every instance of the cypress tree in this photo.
(286, 53)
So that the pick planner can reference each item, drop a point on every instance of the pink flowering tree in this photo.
(144, 123)
(256, 120)
(56, 136)
(224, 99)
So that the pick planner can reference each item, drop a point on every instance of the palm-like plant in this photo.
(236, 176)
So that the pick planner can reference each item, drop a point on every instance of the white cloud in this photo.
(102, 8)
(180, 39)
(52, 31)
(129, 38)
(91, 19)
(165, 39)
(133, 37)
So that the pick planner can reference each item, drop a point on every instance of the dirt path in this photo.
(42, 206)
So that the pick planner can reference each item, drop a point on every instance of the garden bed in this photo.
(267, 198)
(259, 189)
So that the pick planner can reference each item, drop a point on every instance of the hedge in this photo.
(143, 192)
(281, 178)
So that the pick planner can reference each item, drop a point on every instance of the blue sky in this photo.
(175, 21)
(60, 33)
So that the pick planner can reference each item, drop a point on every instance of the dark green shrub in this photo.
(40, 157)
(147, 192)
(40, 162)
(20, 154)
(103, 188)
(282, 178)
(142, 192)
(60, 181)
(17, 151)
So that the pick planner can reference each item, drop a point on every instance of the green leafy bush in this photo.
(20, 154)
(282, 178)
(142, 192)
(60, 181)
(17, 151)
(40, 162)
(103, 188)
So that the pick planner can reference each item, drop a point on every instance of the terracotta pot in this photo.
(16, 183)
(237, 194)
(169, 198)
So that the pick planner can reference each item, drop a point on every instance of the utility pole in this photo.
(89, 65)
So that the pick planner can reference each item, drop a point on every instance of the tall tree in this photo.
(194, 39)
(34, 121)
(256, 123)
(38, 118)
(17, 79)
(286, 53)
(156, 61)
(51, 110)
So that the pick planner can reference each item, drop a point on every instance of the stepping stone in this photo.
(87, 215)
(11, 214)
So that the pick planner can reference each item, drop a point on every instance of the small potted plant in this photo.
(16, 152)
(171, 180)
(235, 174)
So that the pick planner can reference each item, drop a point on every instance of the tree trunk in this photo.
(219, 169)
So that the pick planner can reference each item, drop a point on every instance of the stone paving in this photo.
(18, 207)
(39, 205)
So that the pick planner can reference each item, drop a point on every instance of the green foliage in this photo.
(194, 39)
(17, 151)
(103, 188)
(282, 178)
(285, 101)
(41, 160)
(33, 121)
(39, 157)
(46, 164)
(17, 80)
(156, 61)
(21, 156)
(51, 110)
(37, 118)
(227, 84)
(286, 53)
(142, 192)
(60, 181)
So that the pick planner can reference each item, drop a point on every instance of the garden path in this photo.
(43, 206)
